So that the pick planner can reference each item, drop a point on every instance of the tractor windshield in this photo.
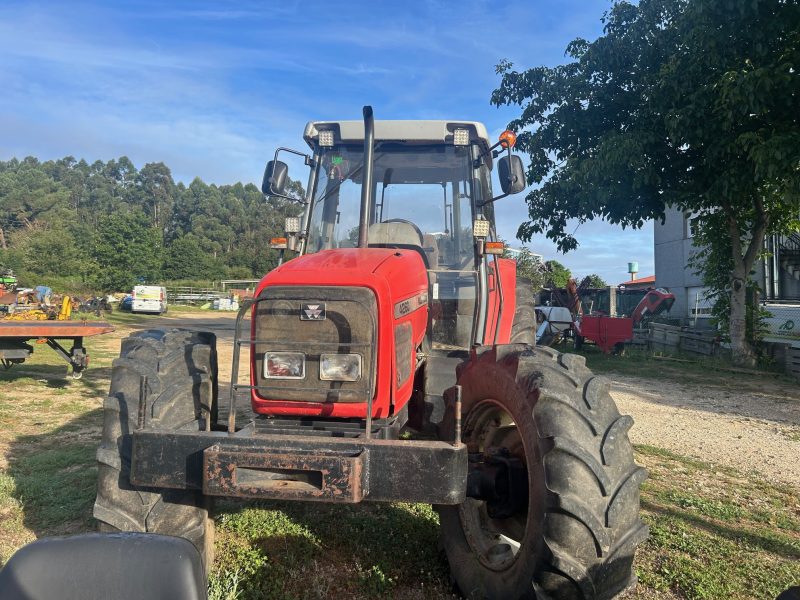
(423, 197)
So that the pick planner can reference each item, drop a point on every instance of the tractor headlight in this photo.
(340, 367)
(284, 365)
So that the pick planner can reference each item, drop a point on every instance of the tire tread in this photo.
(179, 367)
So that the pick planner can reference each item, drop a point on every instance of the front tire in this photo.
(177, 370)
(575, 534)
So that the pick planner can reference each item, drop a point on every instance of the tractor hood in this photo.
(351, 259)
(401, 270)
(372, 302)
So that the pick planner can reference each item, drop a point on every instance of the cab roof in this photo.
(432, 132)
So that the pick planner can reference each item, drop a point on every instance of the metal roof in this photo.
(407, 131)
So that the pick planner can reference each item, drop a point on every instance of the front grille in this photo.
(349, 326)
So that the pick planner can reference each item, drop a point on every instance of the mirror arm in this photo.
(495, 153)
(490, 200)
(308, 159)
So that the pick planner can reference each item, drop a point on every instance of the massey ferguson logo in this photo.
(312, 312)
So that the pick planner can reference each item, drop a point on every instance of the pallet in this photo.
(669, 338)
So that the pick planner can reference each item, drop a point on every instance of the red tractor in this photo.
(393, 360)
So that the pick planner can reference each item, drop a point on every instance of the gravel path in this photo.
(753, 430)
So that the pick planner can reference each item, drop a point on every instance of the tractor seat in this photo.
(431, 250)
(388, 234)
(98, 566)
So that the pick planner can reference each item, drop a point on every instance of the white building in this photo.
(778, 275)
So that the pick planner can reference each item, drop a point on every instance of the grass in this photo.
(55, 485)
(690, 368)
(293, 550)
(715, 532)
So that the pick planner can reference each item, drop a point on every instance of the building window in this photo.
(698, 304)
(690, 224)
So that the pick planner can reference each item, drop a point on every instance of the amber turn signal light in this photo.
(508, 138)
(493, 248)
(278, 243)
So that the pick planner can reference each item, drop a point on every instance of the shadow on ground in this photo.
(264, 549)
(312, 550)
(55, 476)
(94, 380)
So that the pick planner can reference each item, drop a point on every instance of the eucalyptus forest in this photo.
(105, 226)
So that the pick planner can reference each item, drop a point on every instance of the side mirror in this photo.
(512, 174)
(275, 176)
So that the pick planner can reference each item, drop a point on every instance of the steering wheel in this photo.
(417, 229)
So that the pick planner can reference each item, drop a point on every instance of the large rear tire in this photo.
(576, 533)
(177, 370)
(523, 327)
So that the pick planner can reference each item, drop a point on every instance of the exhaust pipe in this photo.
(366, 176)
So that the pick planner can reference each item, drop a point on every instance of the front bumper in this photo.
(300, 468)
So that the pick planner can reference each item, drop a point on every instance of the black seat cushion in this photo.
(96, 566)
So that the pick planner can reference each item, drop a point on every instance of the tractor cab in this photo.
(430, 183)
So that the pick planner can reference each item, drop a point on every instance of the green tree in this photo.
(127, 250)
(595, 281)
(41, 252)
(59, 219)
(531, 268)
(155, 190)
(557, 274)
(185, 259)
(28, 195)
(687, 104)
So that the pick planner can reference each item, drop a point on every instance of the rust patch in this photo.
(328, 478)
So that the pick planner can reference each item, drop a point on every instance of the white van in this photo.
(149, 299)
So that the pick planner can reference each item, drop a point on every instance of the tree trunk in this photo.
(743, 261)
(741, 349)
(3, 239)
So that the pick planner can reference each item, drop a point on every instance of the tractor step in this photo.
(332, 477)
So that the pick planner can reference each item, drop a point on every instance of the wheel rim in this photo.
(496, 542)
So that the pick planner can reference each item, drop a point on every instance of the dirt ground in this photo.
(754, 430)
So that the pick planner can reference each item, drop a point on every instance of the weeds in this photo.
(690, 368)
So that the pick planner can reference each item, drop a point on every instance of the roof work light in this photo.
(461, 137)
(480, 228)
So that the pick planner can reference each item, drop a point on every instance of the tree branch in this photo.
(736, 240)
(759, 231)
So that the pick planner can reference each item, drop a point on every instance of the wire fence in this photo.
(192, 295)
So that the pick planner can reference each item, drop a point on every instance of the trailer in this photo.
(16, 335)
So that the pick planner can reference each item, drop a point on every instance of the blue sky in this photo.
(211, 88)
